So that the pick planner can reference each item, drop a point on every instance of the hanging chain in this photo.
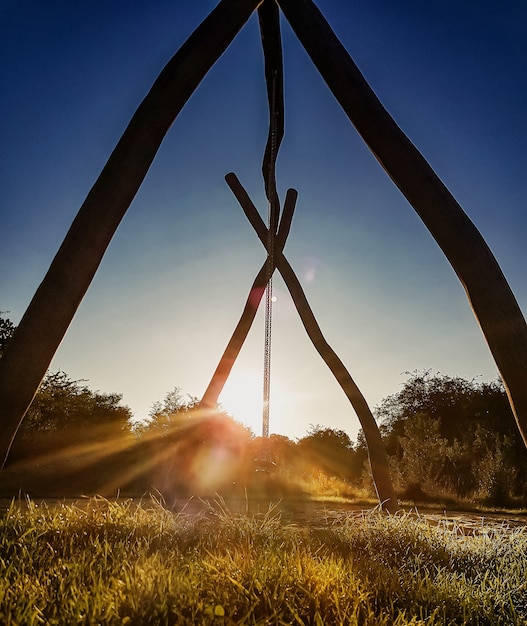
(272, 213)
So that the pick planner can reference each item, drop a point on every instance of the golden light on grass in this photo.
(193, 452)
(131, 562)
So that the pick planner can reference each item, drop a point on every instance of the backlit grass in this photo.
(104, 562)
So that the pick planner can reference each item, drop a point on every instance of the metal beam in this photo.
(376, 450)
(489, 294)
(56, 300)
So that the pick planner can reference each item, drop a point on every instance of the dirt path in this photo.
(322, 514)
(319, 514)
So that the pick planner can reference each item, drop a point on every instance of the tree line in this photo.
(446, 437)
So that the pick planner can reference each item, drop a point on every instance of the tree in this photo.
(327, 450)
(447, 433)
(281, 449)
(438, 396)
(459, 404)
(7, 329)
(186, 451)
(168, 414)
(64, 404)
(423, 450)
(73, 440)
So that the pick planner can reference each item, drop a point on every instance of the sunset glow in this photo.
(242, 399)
(174, 280)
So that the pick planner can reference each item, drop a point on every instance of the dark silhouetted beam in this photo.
(376, 450)
(489, 294)
(56, 300)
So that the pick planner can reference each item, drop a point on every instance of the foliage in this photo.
(185, 451)
(281, 449)
(62, 403)
(100, 562)
(329, 451)
(445, 436)
(454, 436)
(6, 332)
(423, 449)
(72, 441)
(168, 414)
(70, 435)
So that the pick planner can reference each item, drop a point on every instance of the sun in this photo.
(242, 399)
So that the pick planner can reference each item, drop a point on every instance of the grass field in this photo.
(130, 562)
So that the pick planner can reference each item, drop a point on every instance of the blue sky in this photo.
(174, 280)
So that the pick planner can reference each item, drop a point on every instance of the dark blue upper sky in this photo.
(174, 280)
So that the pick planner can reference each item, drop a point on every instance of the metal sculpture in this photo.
(274, 238)
(68, 278)
(376, 451)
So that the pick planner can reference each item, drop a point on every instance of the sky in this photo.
(175, 277)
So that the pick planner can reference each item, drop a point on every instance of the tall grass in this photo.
(104, 562)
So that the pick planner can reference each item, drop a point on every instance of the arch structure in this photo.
(56, 300)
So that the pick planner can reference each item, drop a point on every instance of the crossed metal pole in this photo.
(257, 290)
(376, 450)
